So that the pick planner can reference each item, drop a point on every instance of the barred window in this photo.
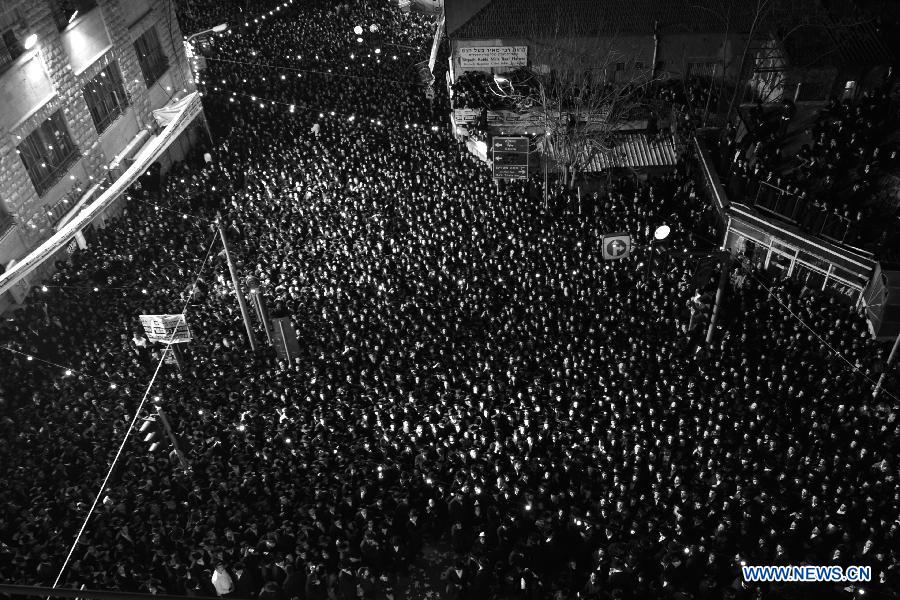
(105, 97)
(150, 56)
(48, 152)
(66, 11)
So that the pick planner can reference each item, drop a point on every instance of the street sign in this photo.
(166, 328)
(510, 157)
(616, 245)
(284, 338)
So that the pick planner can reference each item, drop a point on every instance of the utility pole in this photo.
(242, 302)
(723, 279)
(887, 367)
(168, 427)
(259, 299)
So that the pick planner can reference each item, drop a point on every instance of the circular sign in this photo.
(616, 248)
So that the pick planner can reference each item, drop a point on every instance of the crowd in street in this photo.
(829, 184)
(482, 407)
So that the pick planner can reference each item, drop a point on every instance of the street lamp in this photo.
(217, 29)
(358, 30)
(259, 301)
(661, 233)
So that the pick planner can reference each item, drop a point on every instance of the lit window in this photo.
(48, 152)
(105, 97)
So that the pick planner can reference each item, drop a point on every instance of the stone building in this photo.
(79, 81)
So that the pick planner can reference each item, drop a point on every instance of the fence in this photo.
(814, 219)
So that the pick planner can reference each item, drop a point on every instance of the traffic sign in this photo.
(616, 245)
(510, 157)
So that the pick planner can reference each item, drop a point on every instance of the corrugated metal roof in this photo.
(635, 150)
(588, 18)
(840, 33)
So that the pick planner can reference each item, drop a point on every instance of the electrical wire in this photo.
(315, 72)
(831, 348)
(113, 384)
(137, 414)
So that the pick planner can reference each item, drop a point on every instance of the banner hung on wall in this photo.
(493, 56)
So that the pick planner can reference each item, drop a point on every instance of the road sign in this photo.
(616, 245)
(510, 157)
(284, 338)
(166, 328)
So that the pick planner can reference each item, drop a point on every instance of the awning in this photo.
(175, 118)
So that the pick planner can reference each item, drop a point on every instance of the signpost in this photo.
(510, 157)
(167, 329)
(616, 246)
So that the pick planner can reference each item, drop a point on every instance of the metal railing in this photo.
(801, 211)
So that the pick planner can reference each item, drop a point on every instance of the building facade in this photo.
(79, 80)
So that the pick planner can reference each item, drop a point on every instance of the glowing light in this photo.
(30, 41)
(377, 50)
(358, 30)
(662, 232)
(43, 288)
(68, 372)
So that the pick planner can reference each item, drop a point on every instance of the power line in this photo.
(819, 337)
(67, 369)
(314, 71)
(137, 414)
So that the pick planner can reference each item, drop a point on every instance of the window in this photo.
(150, 56)
(11, 36)
(47, 153)
(66, 11)
(105, 97)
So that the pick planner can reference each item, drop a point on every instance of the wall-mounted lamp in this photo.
(30, 41)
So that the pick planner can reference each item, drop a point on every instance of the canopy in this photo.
(175, 118)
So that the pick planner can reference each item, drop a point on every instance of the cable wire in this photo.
(137, 414)
(49, 362)
(819, 337)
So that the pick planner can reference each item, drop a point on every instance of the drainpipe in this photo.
(655, 48)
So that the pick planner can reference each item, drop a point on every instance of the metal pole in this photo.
(720, 292)
(263, 314)
(237, 284)
(887, 367)
(45, 592)
(168, 427)
(546, 184)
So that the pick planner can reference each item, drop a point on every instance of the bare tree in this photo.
(584, 101)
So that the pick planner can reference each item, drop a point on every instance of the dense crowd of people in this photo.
(828, 185)
(482, 406)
